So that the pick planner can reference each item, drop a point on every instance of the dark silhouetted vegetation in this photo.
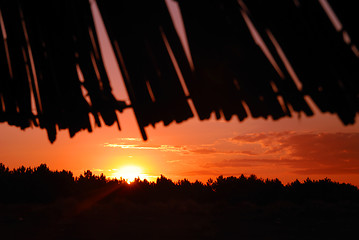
(37, 203)
(41, 185)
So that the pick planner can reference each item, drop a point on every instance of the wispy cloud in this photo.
(300, 152)
(163, 148)
(204, 151)
(173, 161)
(249, 162)
(131, 139)
(304, 153)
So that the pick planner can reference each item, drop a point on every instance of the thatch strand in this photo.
(52, 73)
(324, 63)
(137, 30)
(63, 41)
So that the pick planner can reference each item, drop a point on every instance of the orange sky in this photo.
(288, 149)
(315, 147)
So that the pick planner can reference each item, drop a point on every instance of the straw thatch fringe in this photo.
(52, 74)
(139, 31)
(48, 44)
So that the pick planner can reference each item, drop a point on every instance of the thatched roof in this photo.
(50, 53)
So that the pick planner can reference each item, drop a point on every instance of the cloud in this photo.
(324, 146)
(173, 161)
(328, 170)
(204, 151)
(305, 153)
(247, 153)
(300, 152)
(163, 148)
(211, 149)
(131, 139)
(250, 163)
(326, 152)
(261, 138)
(216, 150)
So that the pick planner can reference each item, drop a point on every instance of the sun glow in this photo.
(129, 173)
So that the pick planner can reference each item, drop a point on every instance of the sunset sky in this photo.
(288, 149)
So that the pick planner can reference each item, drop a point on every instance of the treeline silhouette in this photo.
(41, 185)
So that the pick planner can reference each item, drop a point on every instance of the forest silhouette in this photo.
(41, 185)
(38, 203)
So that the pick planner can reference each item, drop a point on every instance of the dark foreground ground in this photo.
(123, 219)
(42, 204)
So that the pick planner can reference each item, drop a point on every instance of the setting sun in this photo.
(129, 173)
